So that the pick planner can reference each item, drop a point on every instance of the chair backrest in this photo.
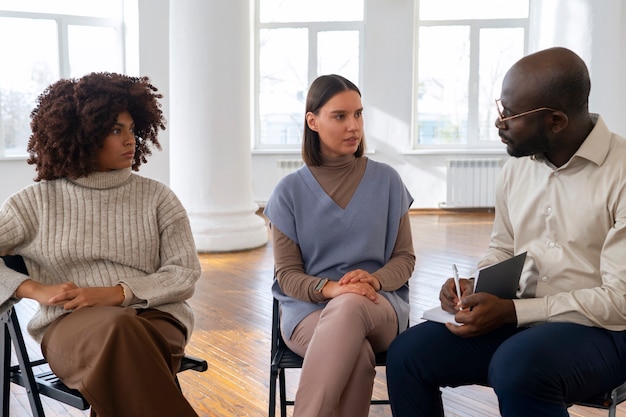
(276, 336)
(281, 355)
(15, 262)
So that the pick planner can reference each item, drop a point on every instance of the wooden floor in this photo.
(233, 316)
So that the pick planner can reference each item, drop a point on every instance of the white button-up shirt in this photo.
(572, 222)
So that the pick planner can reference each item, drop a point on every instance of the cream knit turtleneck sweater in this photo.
(105, 229)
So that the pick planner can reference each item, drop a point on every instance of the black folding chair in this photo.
(46, 382)
(284, 358)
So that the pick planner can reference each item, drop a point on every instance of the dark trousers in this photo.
(537, 371)
(122, 360)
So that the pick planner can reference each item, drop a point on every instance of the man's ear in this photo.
(311, 121)
(560, 121)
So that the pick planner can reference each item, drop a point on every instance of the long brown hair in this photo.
(323, 89)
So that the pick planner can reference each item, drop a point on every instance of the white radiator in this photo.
(287, 166)
(471, 183)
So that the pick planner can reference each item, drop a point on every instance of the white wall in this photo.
(15, 174)
(154, 61)
(594, 29)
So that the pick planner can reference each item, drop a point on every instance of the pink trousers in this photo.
(338, 344)
(122, 360)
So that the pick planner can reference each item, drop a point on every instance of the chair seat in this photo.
(287, 359)
(193, 363)
(606, 400)
(50, 385)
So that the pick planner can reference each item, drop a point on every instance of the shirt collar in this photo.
(596, 146)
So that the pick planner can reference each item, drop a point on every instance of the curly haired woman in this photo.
(110, 254)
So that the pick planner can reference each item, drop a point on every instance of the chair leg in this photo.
(613, 407)
(272, 399)
(5, 354)
(24, 364)
(283, 392)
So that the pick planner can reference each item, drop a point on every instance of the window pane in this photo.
(338, 53)
(30, 64)
(283, 82)
(475, 9)
(108, 8)
(443, 74)
(499, 49)
(310, 11)
(93, 48)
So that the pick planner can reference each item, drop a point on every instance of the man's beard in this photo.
(539, 142)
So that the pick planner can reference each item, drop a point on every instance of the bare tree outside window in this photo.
(464, 49)
(45, 40)
(296, 42)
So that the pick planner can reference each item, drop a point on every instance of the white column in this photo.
(209, 122)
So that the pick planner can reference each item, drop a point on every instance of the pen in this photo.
(455, 274)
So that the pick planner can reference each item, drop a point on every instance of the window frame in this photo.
(473, 141)
(313, 29)
(63, 22)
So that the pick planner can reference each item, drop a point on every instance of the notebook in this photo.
(501, 279)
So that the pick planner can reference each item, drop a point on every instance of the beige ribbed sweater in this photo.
(106, 229)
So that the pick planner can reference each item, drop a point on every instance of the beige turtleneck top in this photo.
(102, 230)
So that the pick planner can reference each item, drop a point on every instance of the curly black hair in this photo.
(74, 116)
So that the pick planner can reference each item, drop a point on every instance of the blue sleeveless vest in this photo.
(333, 240)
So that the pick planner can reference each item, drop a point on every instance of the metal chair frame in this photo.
(608, 400)
(44, 383)
(283, 358)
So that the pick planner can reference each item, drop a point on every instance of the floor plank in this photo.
(233, 316)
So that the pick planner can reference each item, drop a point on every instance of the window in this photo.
(44, 40)
(296, 42)
(463, 50)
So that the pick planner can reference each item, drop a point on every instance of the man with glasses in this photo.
(563, 200)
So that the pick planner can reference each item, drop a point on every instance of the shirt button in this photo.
(544, 279)
(552, 244)
(549, 210)
(556, 174)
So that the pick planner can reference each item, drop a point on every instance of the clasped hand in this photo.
(70, 296)
(357, 282)
(478, 313)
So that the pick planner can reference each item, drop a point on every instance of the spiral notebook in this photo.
(501, 279)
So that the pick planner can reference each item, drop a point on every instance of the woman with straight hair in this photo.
(343, 255)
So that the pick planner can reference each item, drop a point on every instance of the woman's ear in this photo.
(311, 121)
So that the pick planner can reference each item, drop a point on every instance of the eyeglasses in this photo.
(501, 117)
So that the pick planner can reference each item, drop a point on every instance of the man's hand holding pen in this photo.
(478, 313)
(450, 298)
